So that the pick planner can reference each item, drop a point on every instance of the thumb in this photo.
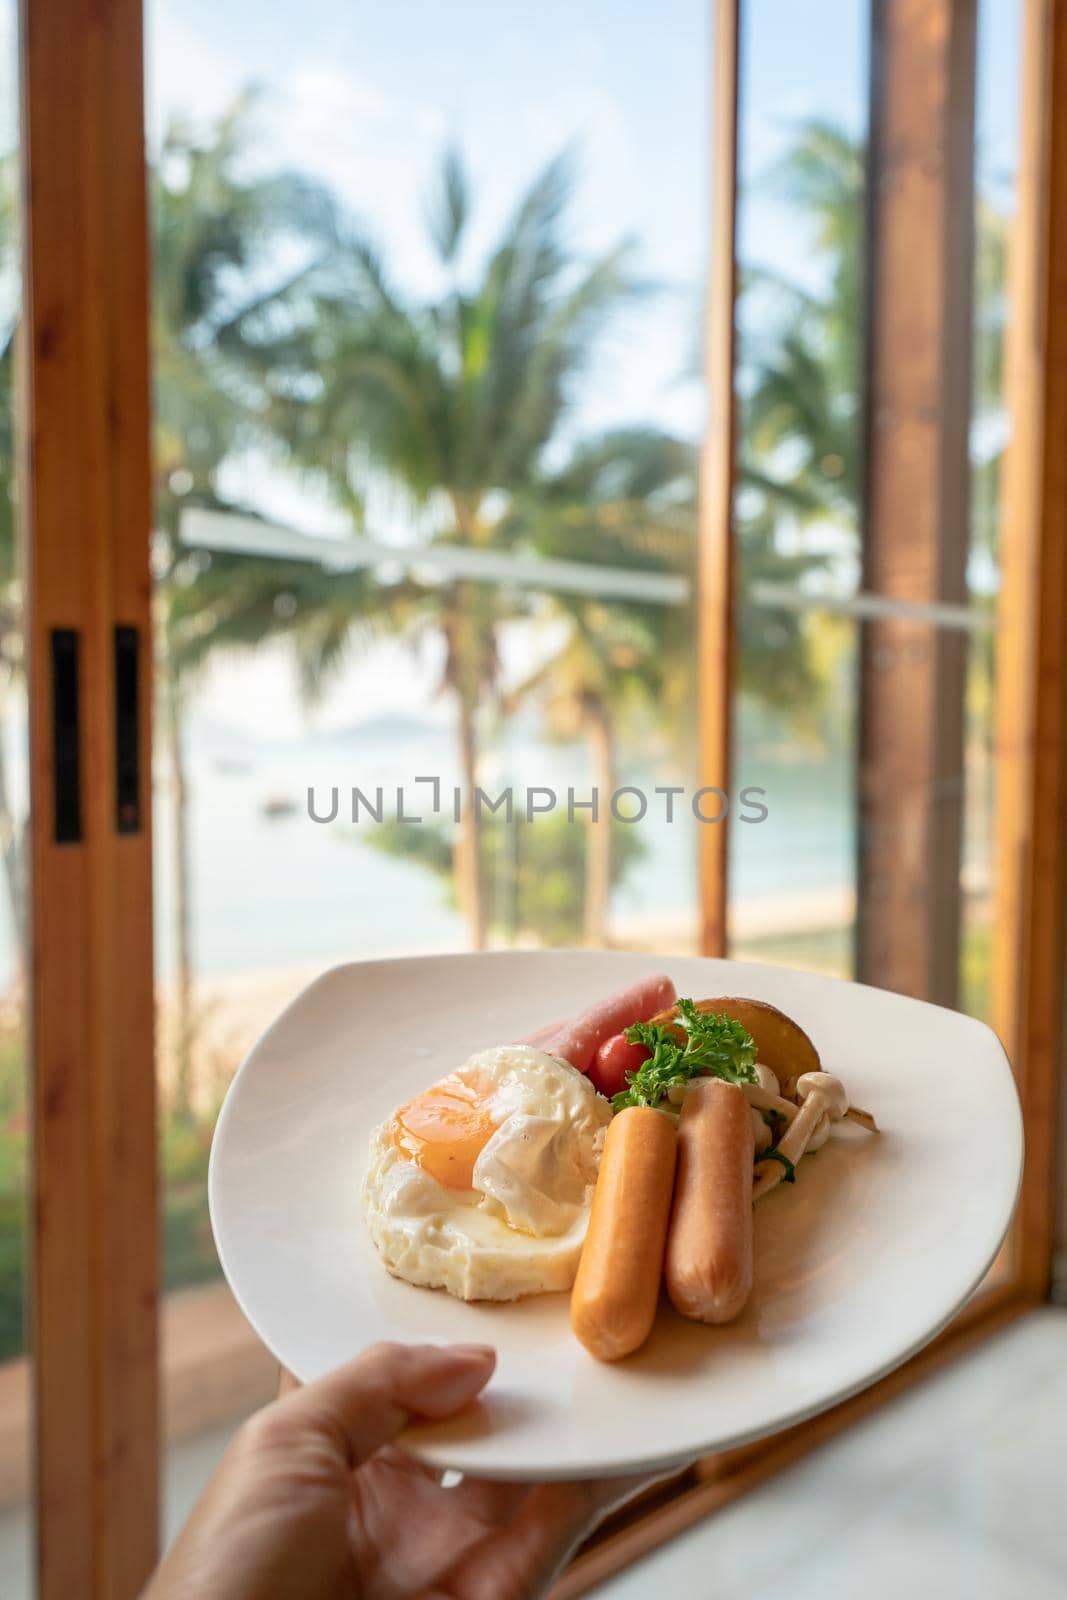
(364, 1404)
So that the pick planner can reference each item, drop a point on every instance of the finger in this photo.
(366, 1403)
(525, 1556)
(391, 1455)
(286, 1382)
(497, 1499)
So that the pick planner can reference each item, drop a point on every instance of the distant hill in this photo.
(383, 730)
(220, 738)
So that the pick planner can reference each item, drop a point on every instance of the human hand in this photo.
(311, 1501)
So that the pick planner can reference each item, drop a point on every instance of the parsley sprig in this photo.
(712, 1045)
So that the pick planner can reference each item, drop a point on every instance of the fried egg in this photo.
(482, 1183)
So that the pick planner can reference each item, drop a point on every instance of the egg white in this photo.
(520, 1229)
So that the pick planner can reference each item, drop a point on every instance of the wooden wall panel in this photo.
(87, 507)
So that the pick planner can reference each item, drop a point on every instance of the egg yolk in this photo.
(444, 1130)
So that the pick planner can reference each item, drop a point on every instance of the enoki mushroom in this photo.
(821, 1100)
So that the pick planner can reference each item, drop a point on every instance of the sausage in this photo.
(550, 1031)
(613, 1302)
(579, 1038)
(614, 1059)
(709, 1243)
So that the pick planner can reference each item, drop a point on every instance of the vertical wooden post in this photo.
(716, 564)
(920, 247)
(1031, 660)
(86, 488)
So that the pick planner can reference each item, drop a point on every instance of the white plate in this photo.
(858, 1264)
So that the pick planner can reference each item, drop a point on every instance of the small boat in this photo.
(232, 766)
(278, 805)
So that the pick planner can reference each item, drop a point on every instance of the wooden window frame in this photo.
(917, 389)
(87, 514)
(86, 509)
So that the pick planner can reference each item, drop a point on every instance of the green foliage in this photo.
(800, 364)
(456, 401)
(801, 354)
(428, 845)
(711, 1046)
(14, 1123)
(800, 351)
(533, 872)
(188, 1248)
(452, 400)
(976, 969)
(220, 299)
(624, 500)
(14, 1179)
(459, 395)
(800, 379)
(218, 294)
(13, 1268)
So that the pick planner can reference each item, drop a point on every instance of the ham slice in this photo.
(578, 1039)
(550, 1031)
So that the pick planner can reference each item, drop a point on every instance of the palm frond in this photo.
(449, 207)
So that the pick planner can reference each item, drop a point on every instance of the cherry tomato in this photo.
(614, 1059)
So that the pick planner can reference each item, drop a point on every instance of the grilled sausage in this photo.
(613, 1302)
(709, 1243)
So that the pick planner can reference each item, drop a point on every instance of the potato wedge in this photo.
(781, 1043)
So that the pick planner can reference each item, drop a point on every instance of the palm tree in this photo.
(605, 663)
(800, 349)
(626, 500)
(217, 234)
(801, 376)
(453, 400)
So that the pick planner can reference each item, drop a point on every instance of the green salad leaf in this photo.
(712, 1045)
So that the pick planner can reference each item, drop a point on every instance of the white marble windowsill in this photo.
(954, 1490)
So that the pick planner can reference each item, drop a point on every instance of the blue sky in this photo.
(368, 94)
(365, 93)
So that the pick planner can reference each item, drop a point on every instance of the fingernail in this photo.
(472, 1352)
(456, 1385)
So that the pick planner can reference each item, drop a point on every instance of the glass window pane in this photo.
(818, 673)
(427, 310)
(998, 120)
(801, 197)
